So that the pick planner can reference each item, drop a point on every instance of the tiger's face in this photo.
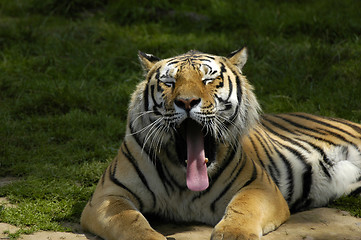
(195, 87)
(197, 100)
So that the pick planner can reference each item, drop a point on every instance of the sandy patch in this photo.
(316, 224)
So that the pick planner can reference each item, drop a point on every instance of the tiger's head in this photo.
(197, 101)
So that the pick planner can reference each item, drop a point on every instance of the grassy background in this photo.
(67, 68)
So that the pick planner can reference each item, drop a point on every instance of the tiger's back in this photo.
(312, 159)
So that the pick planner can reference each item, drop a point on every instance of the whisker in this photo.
(146, 127)
(227, 133)
(153, 143)
(141, 114)
(151, 131)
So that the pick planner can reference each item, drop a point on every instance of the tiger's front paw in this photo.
(233, 231)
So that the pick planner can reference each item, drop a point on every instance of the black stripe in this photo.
(153, 97)
(164, 178)
(170, 155)
(317, 138)
(271, 172)
(239, 88)
(198, 58)
(228, 159)
(299, 125)
(227, 104)
(325, 170)
(145, 97)
(341, 138)
(229, 185)
(273, 164)
(146, 151)
(163, 170)
(256, 150)
(266, 143)
(221, 84)
(291, 184)
(265, 117)
(210, 57)
(179, 186)
(275, 143)
(320, 151)
(287, 139)
(350, 124)
(323, 123)
(209, 67)
(239, 100)
(253, 177)
(159, 88)
(306, 180)
(173, 62)
(223, 68)
(304, 200)
(157, 74)
(230, 86)
(132, 160)
(235, 167)
(118, 183)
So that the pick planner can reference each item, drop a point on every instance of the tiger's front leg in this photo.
(116, 218)
(254, 211)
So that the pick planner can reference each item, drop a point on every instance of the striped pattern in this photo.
(298, 151)
(295, 152)
(254, 162)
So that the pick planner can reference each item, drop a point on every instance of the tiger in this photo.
(199, 149)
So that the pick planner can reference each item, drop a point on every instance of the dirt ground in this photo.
(316, 224)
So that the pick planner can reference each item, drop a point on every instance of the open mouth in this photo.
(196, 150)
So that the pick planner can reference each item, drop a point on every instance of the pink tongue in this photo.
(197, 177)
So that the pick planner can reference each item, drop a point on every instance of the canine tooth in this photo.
(186, 161)
(206, 160)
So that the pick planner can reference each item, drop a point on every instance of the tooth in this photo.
(186, 161)
(206, 160)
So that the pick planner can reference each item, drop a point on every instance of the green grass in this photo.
(349, 203)
(67, 69)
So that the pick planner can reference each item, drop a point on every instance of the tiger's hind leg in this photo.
(340, 175)
(346, 169)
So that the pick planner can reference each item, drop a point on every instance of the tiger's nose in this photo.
(187, 103)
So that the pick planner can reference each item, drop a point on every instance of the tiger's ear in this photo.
(147, 60)
(238, 57)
